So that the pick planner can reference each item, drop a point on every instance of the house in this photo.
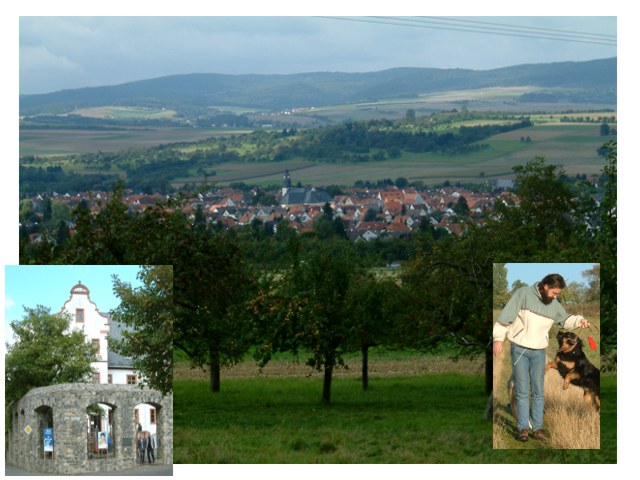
(109, 367)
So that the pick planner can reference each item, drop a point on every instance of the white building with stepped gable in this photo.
(110, 367)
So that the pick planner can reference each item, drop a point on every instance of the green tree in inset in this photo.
(148, 312)
(500, 286)
(46, 351)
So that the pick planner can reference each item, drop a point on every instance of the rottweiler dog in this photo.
(575, 368)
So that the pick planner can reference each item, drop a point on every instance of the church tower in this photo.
(286, 184)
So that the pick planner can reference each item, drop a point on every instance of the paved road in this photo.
(142, 470)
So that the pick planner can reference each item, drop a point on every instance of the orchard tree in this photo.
(148, 312)
(212, 284)
(451, 296)
(46, 351)
(376, 306)
(212, 278)
(308, 308)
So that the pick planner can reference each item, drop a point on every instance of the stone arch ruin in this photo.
(61, 410)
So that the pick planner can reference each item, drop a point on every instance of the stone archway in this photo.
(66, 405)
(44, 429)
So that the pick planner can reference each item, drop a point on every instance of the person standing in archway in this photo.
(150, 455)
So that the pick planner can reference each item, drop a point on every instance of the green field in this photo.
(573, 146)
(59, 142)
(428, 419)
(570, 145)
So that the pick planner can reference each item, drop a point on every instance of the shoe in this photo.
(524, 435)
(539, 435)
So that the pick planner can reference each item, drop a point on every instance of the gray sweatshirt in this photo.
(526, 321)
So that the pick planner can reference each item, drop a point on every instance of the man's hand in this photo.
(497, 348)
(584, 323)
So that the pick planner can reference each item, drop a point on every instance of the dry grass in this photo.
(572, 424)
(569, 423)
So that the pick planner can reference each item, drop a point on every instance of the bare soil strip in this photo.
(377, 368)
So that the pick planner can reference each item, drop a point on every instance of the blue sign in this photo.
(48, 439)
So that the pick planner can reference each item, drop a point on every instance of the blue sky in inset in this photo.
(531, 273)
(50, 286)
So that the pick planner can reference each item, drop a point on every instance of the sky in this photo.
(50, 286)
(65, 52)
(531, 273)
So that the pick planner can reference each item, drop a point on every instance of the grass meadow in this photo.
(417, 410)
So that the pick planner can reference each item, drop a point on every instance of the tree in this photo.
(371, 215)
(410, 115)
(450, 291)
(148, 312)
(544, 221)
(574, 293)
(606, 247)
(376, 305)
(213, 282)
(401, 182)
(461, 208)
(516, 285)
(212, 278)
(593, 278)
(47, 209)
(500, 286)
(46, 351)
(308, 307)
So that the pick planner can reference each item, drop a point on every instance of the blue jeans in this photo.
(528, 371)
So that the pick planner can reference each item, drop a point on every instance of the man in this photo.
(526, 321)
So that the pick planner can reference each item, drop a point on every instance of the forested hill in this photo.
(592, 81)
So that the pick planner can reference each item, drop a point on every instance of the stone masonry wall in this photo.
(68, 403)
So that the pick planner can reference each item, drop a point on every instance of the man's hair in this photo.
(553, 280)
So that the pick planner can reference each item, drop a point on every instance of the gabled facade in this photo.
(110, 367)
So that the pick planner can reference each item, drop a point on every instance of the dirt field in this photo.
(377, 368)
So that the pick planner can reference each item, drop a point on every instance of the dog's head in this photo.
(569, 342)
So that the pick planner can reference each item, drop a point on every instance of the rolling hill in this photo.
(592, 81)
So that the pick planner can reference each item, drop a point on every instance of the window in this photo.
(96, 378)
(79, 315)
(96, 344)
(131, 380)
(152, 414)
(110, 378)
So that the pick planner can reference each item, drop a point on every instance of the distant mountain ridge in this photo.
(274, 92)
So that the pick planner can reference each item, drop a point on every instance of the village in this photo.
(368, 213)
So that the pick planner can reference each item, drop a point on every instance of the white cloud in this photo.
(8, 302)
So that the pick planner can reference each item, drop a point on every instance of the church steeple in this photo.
(286, 183)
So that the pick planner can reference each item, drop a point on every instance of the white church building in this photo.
(109, 367)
